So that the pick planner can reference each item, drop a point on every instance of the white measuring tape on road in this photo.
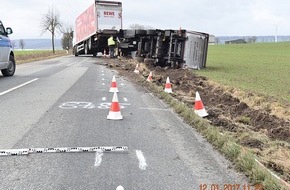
(15, 152)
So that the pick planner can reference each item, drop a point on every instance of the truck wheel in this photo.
(141, 32)
(11, 67)
(151, 32)
(86, 49)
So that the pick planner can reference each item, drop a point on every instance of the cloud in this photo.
(265, 13)
(219, 17)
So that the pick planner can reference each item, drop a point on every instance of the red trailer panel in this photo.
(86, 24)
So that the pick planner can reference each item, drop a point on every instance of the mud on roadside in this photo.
(225, 110)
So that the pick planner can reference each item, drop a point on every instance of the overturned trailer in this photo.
(173, 48)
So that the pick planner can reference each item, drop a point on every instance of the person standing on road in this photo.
(111, 44)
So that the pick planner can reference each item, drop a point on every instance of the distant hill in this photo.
(37, 44)
(259, 39)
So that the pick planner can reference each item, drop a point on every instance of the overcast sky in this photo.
(217, 17)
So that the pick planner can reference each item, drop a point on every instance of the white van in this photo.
(7, 61)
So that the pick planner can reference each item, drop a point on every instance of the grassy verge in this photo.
(242, 157)
(35, 55)
(262, 68)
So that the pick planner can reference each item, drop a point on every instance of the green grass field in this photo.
(262, 68)
(23, 56)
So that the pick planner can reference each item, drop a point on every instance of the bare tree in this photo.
(51, 22)
(254, 39)
(21, 44)
(217, 40)
(67, 37)
(13, 43)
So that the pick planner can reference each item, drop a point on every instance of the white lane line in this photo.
(103, 74)
(142, 162)
(125, 99)
(122, 84)
(98, 158)
(103, 79)
(103, 84)
(19, 86)
(120, 188)
(104, 98)
(70, 64)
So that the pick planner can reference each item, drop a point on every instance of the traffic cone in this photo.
(115, 113)
(114, 87)
(198, 106)
(136, 69)
(104, 54)
(168, 86)
(149, 79)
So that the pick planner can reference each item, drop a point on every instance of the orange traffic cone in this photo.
(198, 106)
(136, 69)
(115, 113)
(114, 87)
(149, 79)
(168, 86)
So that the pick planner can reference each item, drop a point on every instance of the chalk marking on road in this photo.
(70, 64)
(98, 158)
(120, 188)
(157, 109)
(125, 99)
(107, 105)
(26, 151)
(104, 98)
(142, 162)
(75, 105)
(19, 86)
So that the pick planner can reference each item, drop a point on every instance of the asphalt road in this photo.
(64, 102)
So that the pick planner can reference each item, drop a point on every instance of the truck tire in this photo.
(129, 33)
(86, 49)
(151, 32)
(11, 67)
(141, 32)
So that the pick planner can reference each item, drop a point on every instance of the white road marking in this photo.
(70, 64)
(125, 99)
(120, 188)
(122, 84)
(103, 84)
(107, 105)
(104, 98)
(142, 162)
(103, 79)
(103, 74)
(75, 105)
(19, 86)
(98, 158)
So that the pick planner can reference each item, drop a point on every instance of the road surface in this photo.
(64, 102)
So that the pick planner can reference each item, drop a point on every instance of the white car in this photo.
(7, 61)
